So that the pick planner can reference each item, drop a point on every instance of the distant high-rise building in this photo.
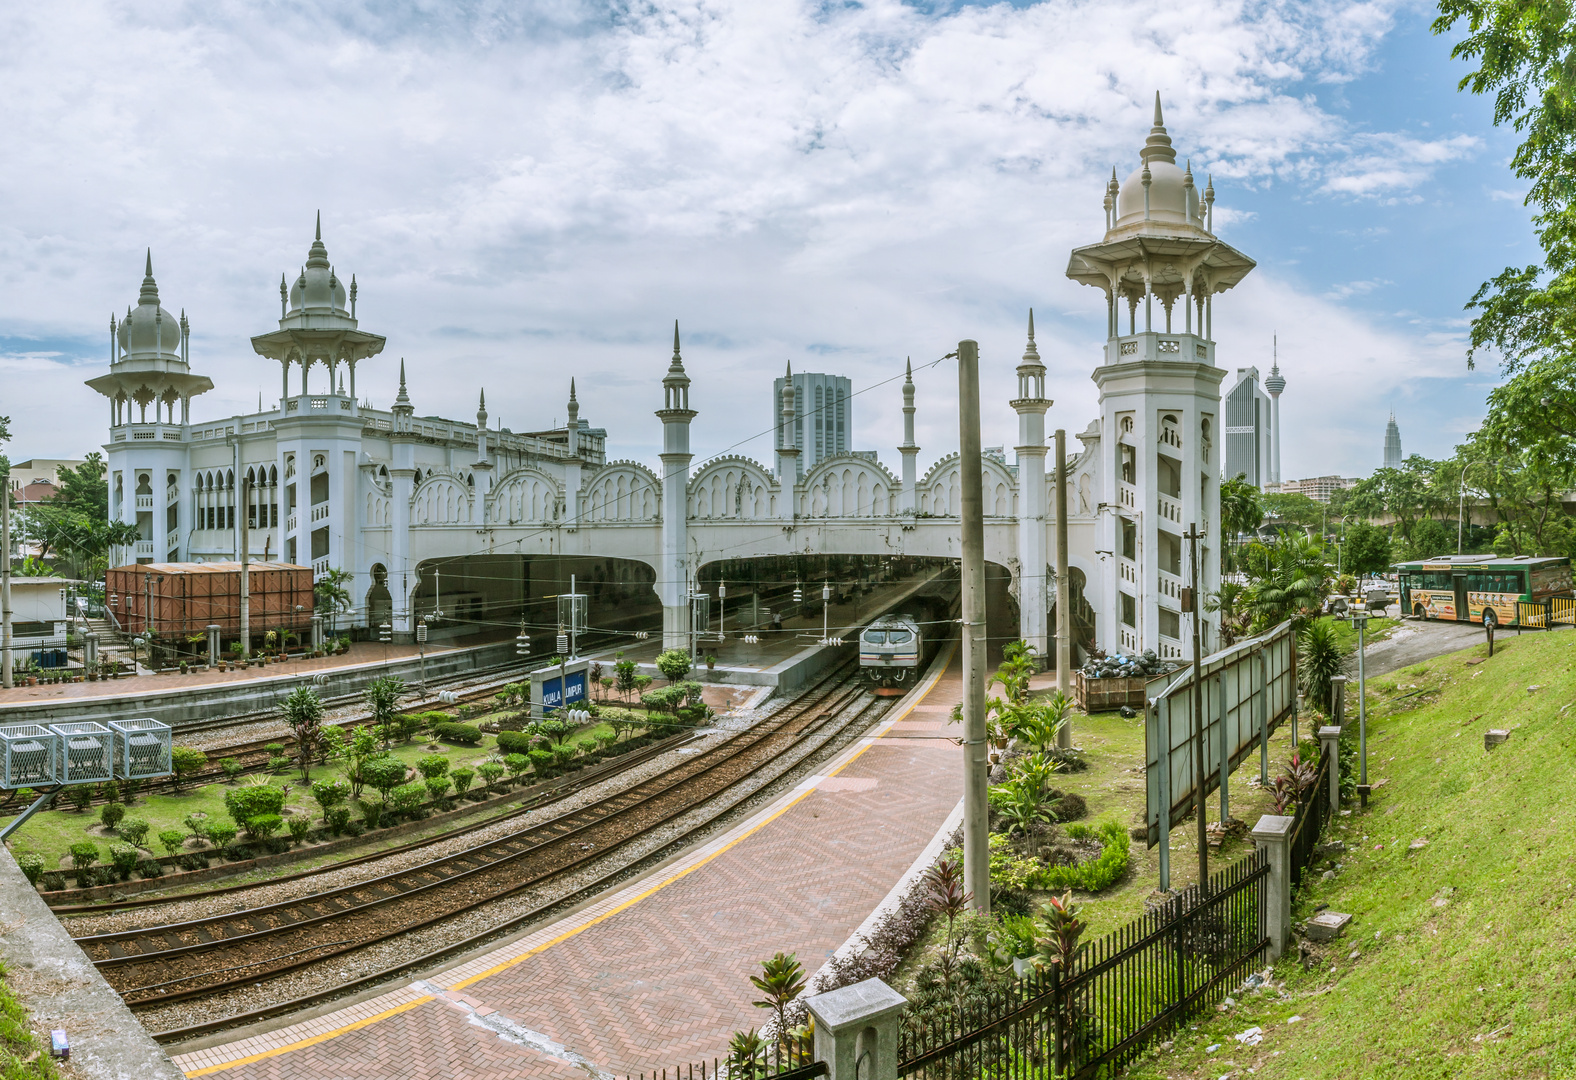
(1250, 445)
(1392, 444)
(823, 417)
(1275, 384)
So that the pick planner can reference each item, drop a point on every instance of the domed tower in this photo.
(318, 435)
(1275, 384)
(1159, 395)
(149, 370)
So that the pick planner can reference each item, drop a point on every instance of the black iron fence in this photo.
(1313, 811)
(1123, 991)
(789, 1058)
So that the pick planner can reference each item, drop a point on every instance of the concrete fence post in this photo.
(1338, 700)
(90, 646)
(856, 1030)
(1329, 743)
(213, 644)
(1272, 835)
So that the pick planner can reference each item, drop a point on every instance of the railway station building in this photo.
(446, 517)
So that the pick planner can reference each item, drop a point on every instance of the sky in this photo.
(530, 192)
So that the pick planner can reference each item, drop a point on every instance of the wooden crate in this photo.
(1107, 695)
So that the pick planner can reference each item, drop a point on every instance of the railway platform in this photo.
(654, 973)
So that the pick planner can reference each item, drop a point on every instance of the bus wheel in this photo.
(1420, 612)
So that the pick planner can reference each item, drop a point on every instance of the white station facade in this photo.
(387, 497)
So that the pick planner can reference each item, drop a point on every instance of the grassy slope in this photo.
(1470, 974)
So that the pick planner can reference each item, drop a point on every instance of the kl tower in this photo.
(1275, 384)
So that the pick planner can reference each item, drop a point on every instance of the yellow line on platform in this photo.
(302, 1044)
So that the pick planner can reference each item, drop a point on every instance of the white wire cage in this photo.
(30, 756)
(142, 748)
(89, 752)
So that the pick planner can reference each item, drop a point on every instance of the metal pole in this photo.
(1064, 613)
(5, 586)
(976, 812)
(1198, 716)
(147, 620)
(246, 583)
(1362, 705)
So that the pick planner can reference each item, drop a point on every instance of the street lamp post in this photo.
(1359, 621)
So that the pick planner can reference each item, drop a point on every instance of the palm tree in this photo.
(1288, 579)
(330, 593)
(1230, 601)
(1240, 512)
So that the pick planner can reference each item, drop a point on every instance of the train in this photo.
(896, 647)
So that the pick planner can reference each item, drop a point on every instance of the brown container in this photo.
(183, 599)
(1107, 695)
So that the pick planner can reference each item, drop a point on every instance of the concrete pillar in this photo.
(856, 1030)
(90, 650)
(1272, 835)
(317, 632)
(213, 643)
(1329, 743)
(1338, 700)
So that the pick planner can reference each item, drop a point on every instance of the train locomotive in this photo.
(895, 649)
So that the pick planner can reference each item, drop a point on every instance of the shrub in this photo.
(437, 787)
(463, 734)
(674, 664)
(431, 767)
(110, 814)
(586, 746)
(517, 764)
(462, 780)
(275, 749)
(184, 760)
(562, 755)
(514, 742)
(219, 834)
(1318, 661)
(406, 798)
(371, 814)
(245, 803)
(192, 862)
(299, 827)
(196, 826)
(1070, 807)
(32, 866)
(338, 817)
(80, 796)
(53, 881)
(133, 830)
(232, 768)
(490, 772)
(148, 869)
(277, 765)
(124, 857)
(171, 840)
(383, 775)
(541, 761)
(83, 855)
(1098, 873)
(408, 725)
(110, 790)
(264, 825)
(330, 793)
(355, 828)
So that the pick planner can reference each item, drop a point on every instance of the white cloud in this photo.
(526, 194)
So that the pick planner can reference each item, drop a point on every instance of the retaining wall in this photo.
(62, 989)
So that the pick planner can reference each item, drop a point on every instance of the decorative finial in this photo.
(319, 234)
(1160, 121)
(483, 401)
(1031, 326)
(571, 388)
(789, 376)
(1158, 145)
(149, 271)
(675, 339)
(908, 369)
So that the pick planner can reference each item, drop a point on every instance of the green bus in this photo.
(1522, 591)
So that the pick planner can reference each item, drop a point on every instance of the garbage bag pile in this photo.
(1122, 666)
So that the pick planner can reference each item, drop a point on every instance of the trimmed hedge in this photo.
(463, 734)
(514, 742)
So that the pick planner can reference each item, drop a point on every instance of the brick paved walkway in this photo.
(654, 974)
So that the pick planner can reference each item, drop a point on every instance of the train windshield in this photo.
(875, 637)
(899, 637)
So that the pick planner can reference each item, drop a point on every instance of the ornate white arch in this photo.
(731, 487)
(524, 495)
(621, 491)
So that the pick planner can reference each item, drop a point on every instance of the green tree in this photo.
(84, 490)
(1241, 512)
(382, 697)
(1286, 579)
(1365, 549)
(331, 595)
(303, 714)
(1293, 507)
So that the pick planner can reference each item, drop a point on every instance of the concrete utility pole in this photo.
(246, 584)
(1192, 606)
(1064, 613)
(5, 587)
(976, 810)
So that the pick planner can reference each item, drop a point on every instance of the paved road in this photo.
(1415, 641)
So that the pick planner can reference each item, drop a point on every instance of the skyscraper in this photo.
(823, 419)
(1249, 434)
(1392, 444)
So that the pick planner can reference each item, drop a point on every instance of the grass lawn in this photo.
(52, 832)
(1460, 956)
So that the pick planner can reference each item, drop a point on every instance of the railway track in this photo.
(170, 963)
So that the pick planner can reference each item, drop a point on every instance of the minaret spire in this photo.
(319, 234)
